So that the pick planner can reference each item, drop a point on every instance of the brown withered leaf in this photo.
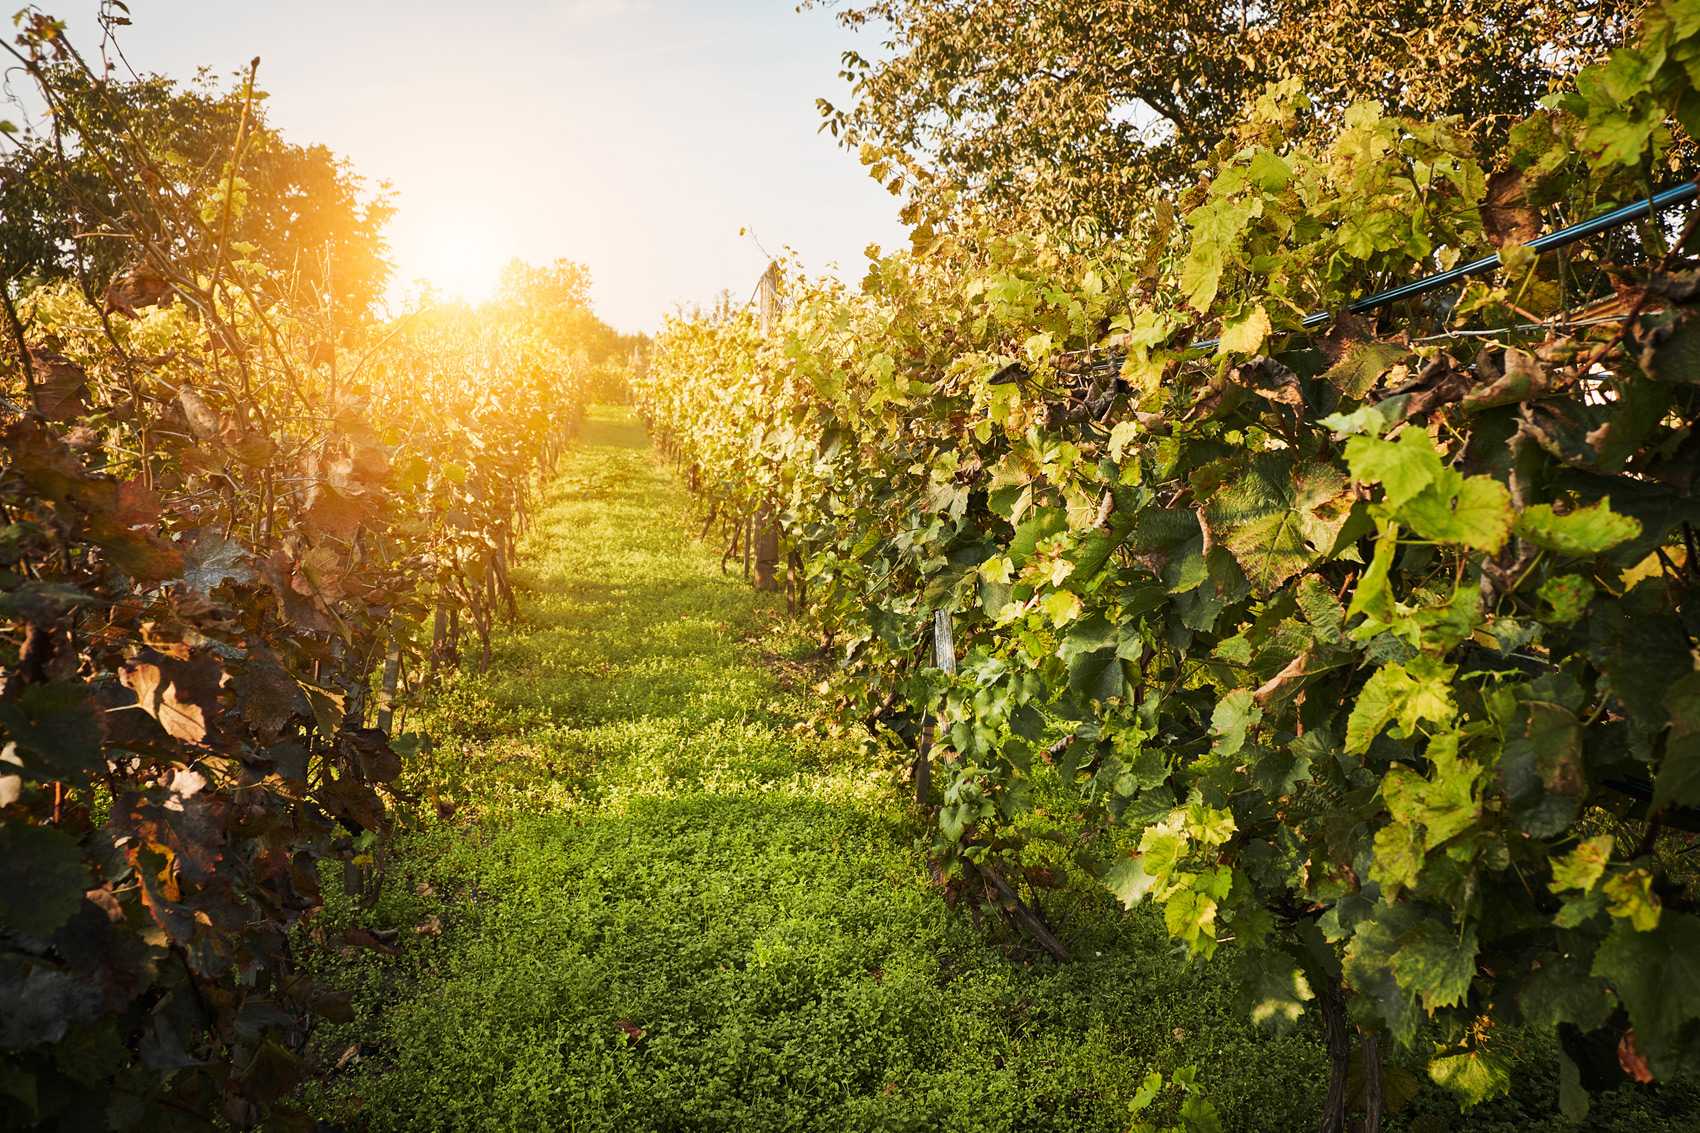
(61, 386)
(328, 707)
(1562, 429)
(333, 1004)
(251, 447)
(273, 1071)
(210, 560)
(1507, 217)
(138, 505)
(336, 502)
(352, 803)
(290, 758)
(1630, 1058)
(189, 831)
(1523, 379)
(336, 513)
(1344, 331)
(125, 726)
(105, 511)
(318, 573)
(267, 696)
(294, 605)
(182, 695)
(1679, 287)
(363, 938)
(41, 458)
(186, 782)
(1438, 383)
(1361, 365)
(368, 749)
(137, 288)
(1272, 381)
(372, 463)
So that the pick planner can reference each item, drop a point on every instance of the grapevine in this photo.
(1364, 650)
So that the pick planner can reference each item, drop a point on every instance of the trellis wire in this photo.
(1570, 234)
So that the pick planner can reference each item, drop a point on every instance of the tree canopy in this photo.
(77, 197)
(1071, 109)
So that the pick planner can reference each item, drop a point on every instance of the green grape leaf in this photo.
(1674, 355)
(1190, 917)
(1356, 373)
(56, 730)
(1472, 510)
(1235, 715)
(1245, 334)
(1567, 596)
(1582, 533)
(1444, 804)
(1541, 768)
(1277, 989)
(1404, 467)
(1582, 867)
(1399, 857)
(1657, 976)
(1129, 881)
(1573, 1097)
(1368, 969)
(1402, 696)
(1473, 1076)
(1096, 676)
(1373, 596)
(42, 876)
(1562, 990)
(1437, 963)
(1277, 519)
(1678, 781)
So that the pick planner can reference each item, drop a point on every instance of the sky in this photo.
(633, 136)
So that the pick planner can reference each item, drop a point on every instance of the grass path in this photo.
(665, 904)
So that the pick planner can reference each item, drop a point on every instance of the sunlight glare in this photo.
(464, 264)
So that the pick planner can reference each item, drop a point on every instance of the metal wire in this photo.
(1658, 202)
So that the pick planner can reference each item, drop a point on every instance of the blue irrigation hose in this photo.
(1656, 203)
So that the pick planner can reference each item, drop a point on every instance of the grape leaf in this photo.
(1403, 696)
(1278, 519)
(1581, 533)
(1474, 1076)
(1437, 963)
(1472, 510)
(1657, 976)
(42, 877)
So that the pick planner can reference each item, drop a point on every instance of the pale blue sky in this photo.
(635, 136)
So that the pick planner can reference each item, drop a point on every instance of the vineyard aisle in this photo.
(664, 903)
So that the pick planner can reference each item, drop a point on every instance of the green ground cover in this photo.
(664, 902)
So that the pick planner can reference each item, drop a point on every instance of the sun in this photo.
(459, 262)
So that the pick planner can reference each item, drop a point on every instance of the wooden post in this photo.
(386, 691)
(768, 292)
(767, 548)
(766, 529)
(944, 656)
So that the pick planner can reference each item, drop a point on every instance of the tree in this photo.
(115, 146)
(555, 299)
(1071, 109)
